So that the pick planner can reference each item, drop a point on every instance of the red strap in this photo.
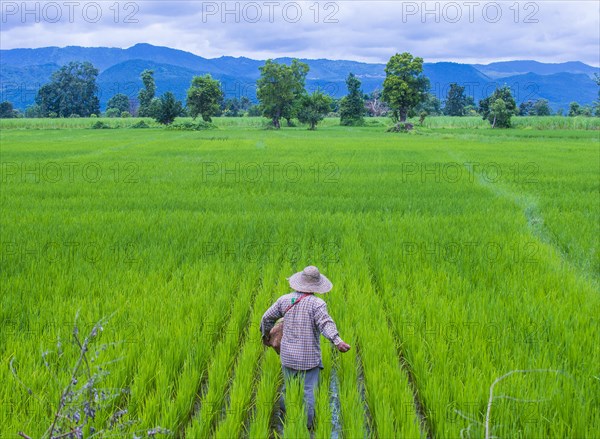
(297, 301)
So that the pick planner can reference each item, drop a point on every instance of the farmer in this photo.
(306, 318)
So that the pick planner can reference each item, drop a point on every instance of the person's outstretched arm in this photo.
(327, 327)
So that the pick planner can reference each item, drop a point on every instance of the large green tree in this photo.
(352, 106)
(597, 103)
(500, 115)
(119, 102)
(146, 94)
(541, 108)
(7, 111)
(71, 91)
(168, 109)
(280, 88)
(405, 85)
(299, 71)
(231, 107)
(575, 109)
(204, 97)
(34, 111)
(432, 106)
(526, 108)
(313, 108)
(234, 107)
(456, 101)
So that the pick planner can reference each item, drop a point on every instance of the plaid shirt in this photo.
(302, 327)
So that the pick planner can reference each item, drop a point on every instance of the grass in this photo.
(458, 253)
(434, 122)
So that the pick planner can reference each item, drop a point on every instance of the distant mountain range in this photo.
(23, 71)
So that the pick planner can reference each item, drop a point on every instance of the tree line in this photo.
(282, 95)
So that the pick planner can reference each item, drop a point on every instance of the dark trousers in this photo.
(311, 378)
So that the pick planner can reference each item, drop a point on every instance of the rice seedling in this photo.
(294, 425)
(323, 406)
(458, 254)
(242, 388)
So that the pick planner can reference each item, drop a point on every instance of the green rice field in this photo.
(464, 260)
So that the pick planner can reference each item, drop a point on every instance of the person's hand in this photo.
(343, 347)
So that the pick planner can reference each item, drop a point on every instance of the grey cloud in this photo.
(365, 31)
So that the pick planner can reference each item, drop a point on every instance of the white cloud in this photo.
(462, 31)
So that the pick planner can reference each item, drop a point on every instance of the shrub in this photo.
(402, 127)
(140, 124)
(84, 400)
(125, 114)
(112, 112)
(99, 125)
(192, 126)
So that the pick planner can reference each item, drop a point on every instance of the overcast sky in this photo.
(461, 31)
